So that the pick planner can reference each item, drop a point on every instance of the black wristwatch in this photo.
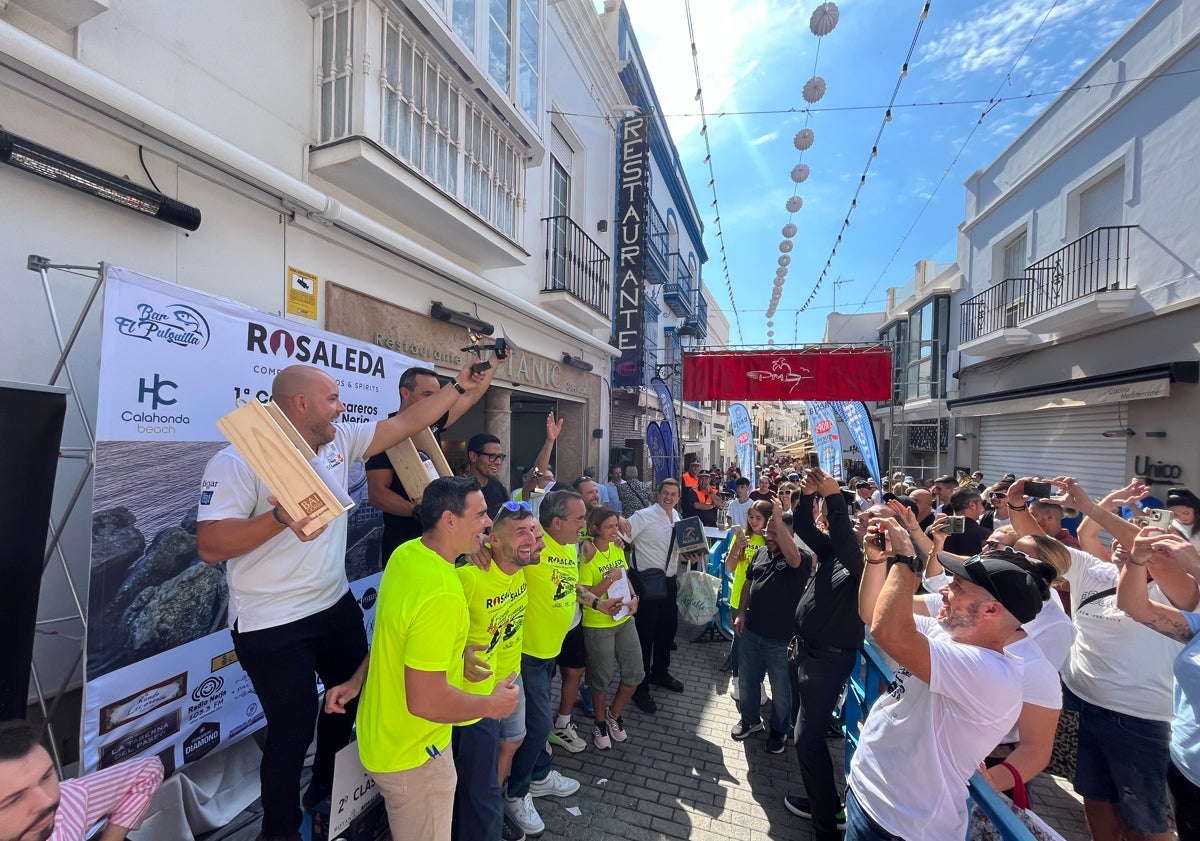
(914, 563)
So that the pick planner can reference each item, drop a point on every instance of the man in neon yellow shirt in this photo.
(551, 613)
(413, 692)
(496, 600)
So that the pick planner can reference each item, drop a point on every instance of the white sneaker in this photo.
(733, 689)
(600, 736)
(520, 810)
(616, 728)
(568, 737)
(555, 784)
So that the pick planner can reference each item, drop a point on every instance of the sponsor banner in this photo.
(667, 406)
(162, 677)
(862, 432)
(826, 439)
(659, 457)
(817, 373)
(633, 202)
(743, 438)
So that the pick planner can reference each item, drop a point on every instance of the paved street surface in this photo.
(681, 776)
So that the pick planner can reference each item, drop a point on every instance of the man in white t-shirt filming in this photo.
(290, 608)
(955, 695)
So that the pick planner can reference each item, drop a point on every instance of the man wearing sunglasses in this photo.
(955, 695)
(485, 459)
(998, 515)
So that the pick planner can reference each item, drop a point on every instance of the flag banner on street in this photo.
(162, 677)
(743, 437)
(858, 421)
(817, 373)
(666, 405)
(669, 434)
(826, 439)
(659, 456)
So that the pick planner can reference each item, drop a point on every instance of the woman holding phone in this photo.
(745, 544)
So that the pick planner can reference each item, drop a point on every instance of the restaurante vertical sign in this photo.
(633, 199)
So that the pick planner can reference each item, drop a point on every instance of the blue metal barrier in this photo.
(716, 566)
(869, 680)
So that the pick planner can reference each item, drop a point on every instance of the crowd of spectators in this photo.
(1026, 619)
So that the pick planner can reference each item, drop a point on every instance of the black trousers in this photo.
(281, 663)
(657, 621)
(821, 674)
(1185, 798)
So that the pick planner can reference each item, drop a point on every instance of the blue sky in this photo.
(755, 55)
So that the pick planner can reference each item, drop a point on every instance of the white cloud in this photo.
(992, 39)
(766, 138)
(730, 38)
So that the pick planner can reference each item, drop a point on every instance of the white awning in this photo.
(1122, 393)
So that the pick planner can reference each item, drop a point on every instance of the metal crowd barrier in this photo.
(871, 677)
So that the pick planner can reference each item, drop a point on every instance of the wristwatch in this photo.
(914, 563)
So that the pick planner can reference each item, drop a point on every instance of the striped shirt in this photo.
(122, 794)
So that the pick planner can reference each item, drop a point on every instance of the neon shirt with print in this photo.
(551, 607)
(496, 603)
(592, 573)
(421, 623)
(753, 543)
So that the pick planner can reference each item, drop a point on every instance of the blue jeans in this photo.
(478, 814)
(759, 656)
(860, 826)
(531, 760)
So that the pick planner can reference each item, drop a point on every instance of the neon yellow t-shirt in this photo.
(496, 602)
(753, 544)
(591, 573)
(421, 623)
(551, 605)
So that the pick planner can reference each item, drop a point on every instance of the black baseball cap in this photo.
(1008, 584)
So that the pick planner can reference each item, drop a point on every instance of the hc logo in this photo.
(155, 392)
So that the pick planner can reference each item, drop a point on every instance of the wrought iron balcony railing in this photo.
(1096, 262)
(575, 263)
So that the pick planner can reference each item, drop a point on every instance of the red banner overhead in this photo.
(816, 373)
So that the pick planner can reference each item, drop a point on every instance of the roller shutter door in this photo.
(1055, 443)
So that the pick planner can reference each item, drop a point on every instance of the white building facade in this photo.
(1077, 322)
(413, 158)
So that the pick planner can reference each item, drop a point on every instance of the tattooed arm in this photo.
(1133, 597)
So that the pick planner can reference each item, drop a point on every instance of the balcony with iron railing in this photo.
(1079, 286)
(699, 320)
(658, 248)
(679, 294)
(577, 284)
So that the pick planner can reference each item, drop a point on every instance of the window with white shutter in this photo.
(1102, 204)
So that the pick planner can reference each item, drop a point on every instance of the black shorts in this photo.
(573, 654)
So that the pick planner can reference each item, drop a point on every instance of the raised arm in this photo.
(892, 624)
(407, 422)
(553, 429)
(1121, 529)
(465, 401)
(787, 546)
(1133, 594)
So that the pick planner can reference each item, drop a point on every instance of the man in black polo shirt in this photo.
(765, 624)
(383, 487)
(829, 631)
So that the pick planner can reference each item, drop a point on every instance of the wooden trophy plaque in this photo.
(411, 469)
(280, 457)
